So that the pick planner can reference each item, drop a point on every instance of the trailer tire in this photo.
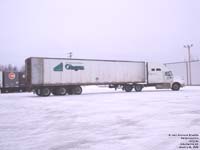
(138, 87)
(128, 88)
(38, 92)
(59, 91)
(77, 90)
(70, 92)
(45, 91)
(176, 86)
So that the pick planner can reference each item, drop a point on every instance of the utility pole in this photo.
(189, 62)
(69, 55)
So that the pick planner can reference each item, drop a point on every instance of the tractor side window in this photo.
(168, 73)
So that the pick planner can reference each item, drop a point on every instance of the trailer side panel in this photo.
(48, 71)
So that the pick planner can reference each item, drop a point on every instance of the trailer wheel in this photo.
(45, 91)
(128, 88)
(77, 90)
(59, 91)
(138, 87)
(69, 91)
(38, 92)
(176, 86)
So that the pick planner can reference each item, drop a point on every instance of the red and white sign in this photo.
(11, 76)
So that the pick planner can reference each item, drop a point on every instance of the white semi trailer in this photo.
(60, 76)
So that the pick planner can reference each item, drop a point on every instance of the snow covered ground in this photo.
(99, 119)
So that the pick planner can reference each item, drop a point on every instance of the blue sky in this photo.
(147, 30)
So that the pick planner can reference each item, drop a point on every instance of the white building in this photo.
(182, 69)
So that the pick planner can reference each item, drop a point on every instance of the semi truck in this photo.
(61, 76)
(12, 82)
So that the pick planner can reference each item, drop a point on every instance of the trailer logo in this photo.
(75, 68)
(59, 67)
(11, 76)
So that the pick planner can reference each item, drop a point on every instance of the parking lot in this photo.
(99, 119)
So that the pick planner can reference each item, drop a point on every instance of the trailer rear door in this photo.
(10, 79)
(1, 79)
